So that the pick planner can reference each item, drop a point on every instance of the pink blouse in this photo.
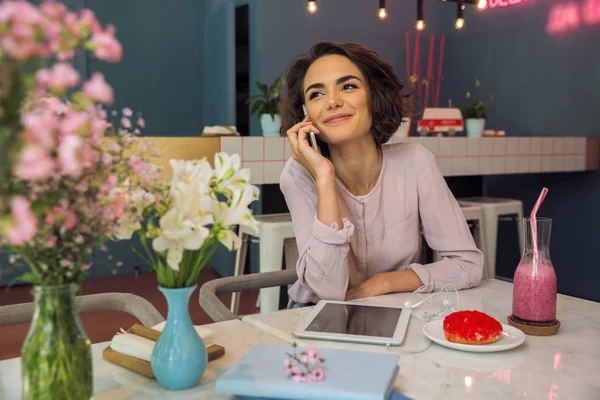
(381, 230)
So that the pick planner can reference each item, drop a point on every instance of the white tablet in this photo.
(355, 322)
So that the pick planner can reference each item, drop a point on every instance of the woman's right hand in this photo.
(317, 165)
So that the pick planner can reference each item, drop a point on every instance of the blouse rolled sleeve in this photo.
(445, 230)
(322, 265)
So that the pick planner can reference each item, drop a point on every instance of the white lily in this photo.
(196, 204)
(238, 212)
(228, 174)
(198, 197)
(229, 239)
(178, 234)
(186, 173)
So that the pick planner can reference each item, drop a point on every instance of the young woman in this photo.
(357, 206)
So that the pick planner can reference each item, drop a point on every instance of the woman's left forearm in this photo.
(384, 283)
(402, 281)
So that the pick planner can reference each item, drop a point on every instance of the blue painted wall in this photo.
(161, 71)
(544, 85)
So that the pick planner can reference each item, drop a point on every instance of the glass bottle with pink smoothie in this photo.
(534, 290)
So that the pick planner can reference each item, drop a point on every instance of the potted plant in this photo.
(266, 104)
(184, 223)
(475, 112)
(64, 177)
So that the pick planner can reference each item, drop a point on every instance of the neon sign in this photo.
(503, 3)
(571, 16)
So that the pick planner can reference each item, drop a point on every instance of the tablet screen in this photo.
(356, 320)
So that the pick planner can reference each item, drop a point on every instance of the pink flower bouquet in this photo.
(65, 177)
(66, 171)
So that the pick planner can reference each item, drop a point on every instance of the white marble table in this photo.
(564, 366)
(112, 382)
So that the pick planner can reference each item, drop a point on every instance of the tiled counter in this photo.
(459, 156)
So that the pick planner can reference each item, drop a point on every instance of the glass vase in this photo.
(56, 359)
(534, 284)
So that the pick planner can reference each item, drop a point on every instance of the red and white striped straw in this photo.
(534, 234)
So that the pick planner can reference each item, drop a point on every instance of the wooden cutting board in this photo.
(142, 366)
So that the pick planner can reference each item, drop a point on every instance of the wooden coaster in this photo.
(142, 366)
(535, 330)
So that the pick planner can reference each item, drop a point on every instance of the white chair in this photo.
(276, 234)
(474, 216)
(130, 303)
(493, 210)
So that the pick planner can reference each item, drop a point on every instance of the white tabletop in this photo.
(113, 382)
(563, 366)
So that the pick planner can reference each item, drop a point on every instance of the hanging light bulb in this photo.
(420, 18)
(312, 6)
(382, 13)
(460, 21)
(482, 5)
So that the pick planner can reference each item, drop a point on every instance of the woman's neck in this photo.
(357, 164)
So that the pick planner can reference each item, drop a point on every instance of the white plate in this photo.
(511, 338)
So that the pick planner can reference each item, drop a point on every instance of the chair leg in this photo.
(480, 243)
(520, 229)
(240, 262)
(291, 253)
(490, 223)
(271, 255)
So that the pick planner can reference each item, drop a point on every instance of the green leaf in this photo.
(263, 88)
(254, 97)
(29, 277)
(477, 83)
(256, 107)
(277, 86)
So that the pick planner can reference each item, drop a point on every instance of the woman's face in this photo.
(336, 97)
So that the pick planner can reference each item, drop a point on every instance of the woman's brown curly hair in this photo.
(386, 100)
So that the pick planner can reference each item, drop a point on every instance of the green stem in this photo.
(56, 357)
(143, 257)
(205, 254)
(145, 245)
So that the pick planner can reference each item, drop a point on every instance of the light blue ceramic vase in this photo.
(270, 124)
(179, 357)
(475, 127)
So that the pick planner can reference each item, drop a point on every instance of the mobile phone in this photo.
(313, 139)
